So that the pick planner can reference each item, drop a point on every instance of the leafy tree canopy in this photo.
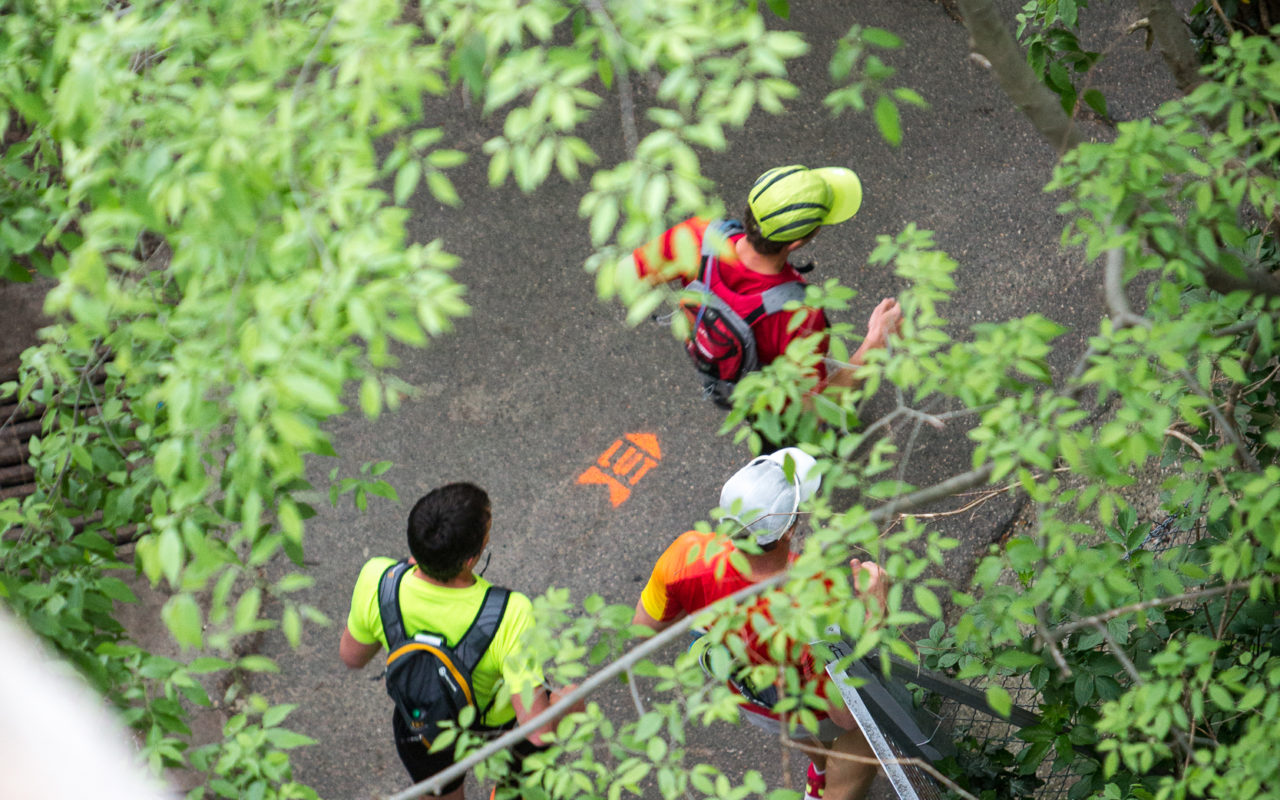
(217, 188)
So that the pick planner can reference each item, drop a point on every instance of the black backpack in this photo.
(721, 342)
(430, 681)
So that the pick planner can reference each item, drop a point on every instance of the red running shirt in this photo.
(677, 254)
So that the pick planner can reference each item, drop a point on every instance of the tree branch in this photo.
(1174, 42)
(1113, 284)
(1253, 281)
(1243, 455)
(989, 36)
(630, 136)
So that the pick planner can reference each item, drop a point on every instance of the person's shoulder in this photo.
(378, 565)
(517, 602)
(691, 546)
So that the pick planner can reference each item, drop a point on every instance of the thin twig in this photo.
(1243, 455)
(906, 450)
(956, 483)
(1226, 21)
(1189, 442)
(982, 498)
(1119, 653)
(1236, 327)
(887, 419)
(1184, 742)
(1068, 628)
(1046, 639)
(635, 692)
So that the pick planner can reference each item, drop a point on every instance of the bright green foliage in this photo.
(205, 179)
(252, 761)
(1156, 673)
(232, 265)
(229, 244)
(1048, 29)
(854, 57)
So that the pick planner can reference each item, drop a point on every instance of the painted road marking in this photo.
(636, 454)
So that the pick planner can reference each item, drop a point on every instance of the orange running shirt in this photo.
(684, 582)
(684, 579)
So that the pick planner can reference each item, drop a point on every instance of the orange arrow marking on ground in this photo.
(627, 459)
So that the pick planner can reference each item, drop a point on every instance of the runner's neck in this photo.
(766, 565)
(460, 581)
(756, 261)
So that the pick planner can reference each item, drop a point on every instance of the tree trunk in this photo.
(1174, 41)
(989, 37)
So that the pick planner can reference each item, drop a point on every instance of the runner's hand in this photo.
(872, 583)
(886, 319)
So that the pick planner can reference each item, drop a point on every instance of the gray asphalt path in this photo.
(543, 379)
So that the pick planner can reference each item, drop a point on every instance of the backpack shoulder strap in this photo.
(389, 604)
(716, 234)
(473, 644)
(772, 301)
(718, 230)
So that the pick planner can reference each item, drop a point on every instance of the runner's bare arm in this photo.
(885, 319)
(356, 654)
(543, 699)
(642, 618)
(836, 708)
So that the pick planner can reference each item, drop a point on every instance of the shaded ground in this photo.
(542, 379)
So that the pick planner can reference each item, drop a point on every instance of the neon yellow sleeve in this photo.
(517, 673)
(363, 621)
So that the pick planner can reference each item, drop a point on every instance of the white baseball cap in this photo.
(763, 499)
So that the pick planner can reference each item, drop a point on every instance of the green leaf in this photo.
(910, 96)
(1084, 689)
(288, 740)
(182, 615)
(780, 7)
(407, 178)
(257, 663)
(371, 397)
(246, 614)
(117, 589)
(878, 37)
(442, 189)
(444, 159)
(999, 700)
(276, 714)
(888, 121)
(170, 554)
(208, 664)
(927, 602)
(1095, 100)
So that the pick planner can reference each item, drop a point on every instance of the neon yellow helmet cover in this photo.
(791, 202)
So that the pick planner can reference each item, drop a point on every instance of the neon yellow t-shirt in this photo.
(450, 612)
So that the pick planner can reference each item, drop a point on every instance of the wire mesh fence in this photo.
(948, 723)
